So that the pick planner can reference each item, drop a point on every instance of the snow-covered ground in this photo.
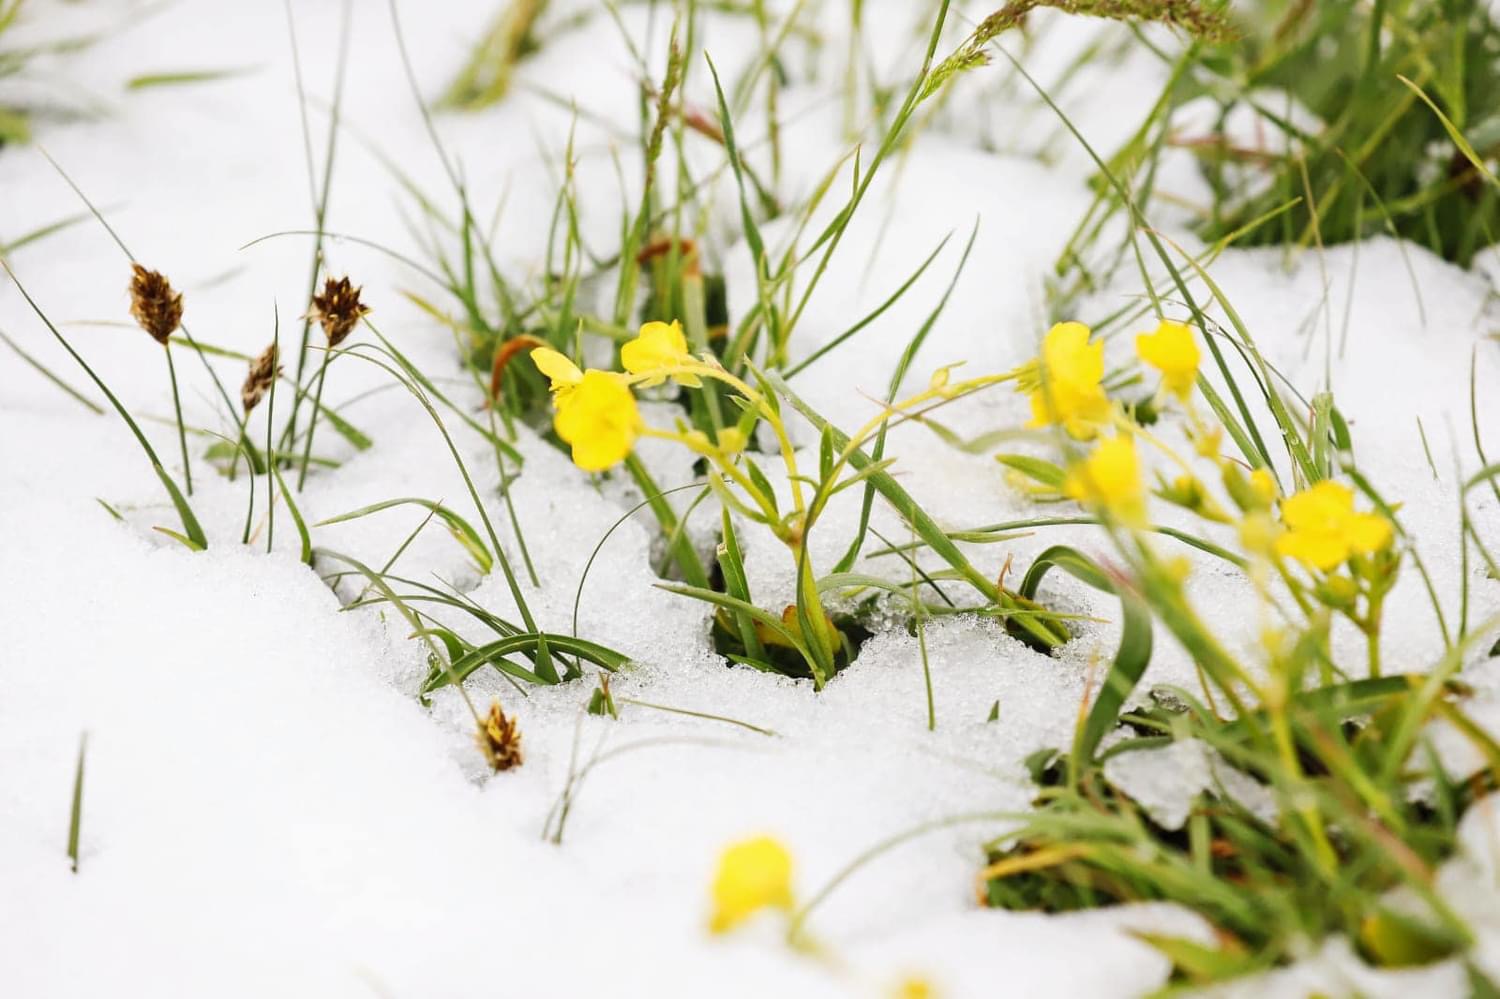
(268, 807)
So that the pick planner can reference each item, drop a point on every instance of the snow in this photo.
(267, 803)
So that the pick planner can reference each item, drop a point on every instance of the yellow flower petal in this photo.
(1321, 550)
(754, 874)
(600, 419)
(563, 373)
(1368, 533)
(1110, 479)
(1172, 351)
(1065, 386)
(1319, 507)
(1323, 529)
(658, 346)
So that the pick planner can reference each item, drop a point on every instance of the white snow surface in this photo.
(268, 806)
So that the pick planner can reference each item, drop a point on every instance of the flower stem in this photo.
(312, 423)
(187, 471)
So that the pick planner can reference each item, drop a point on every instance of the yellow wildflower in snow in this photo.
(561, 372)
(1172, 351)
(753, 874)
(1323, 529)
(1065, 382)
(914, 987)
(659, 346)
(1110, 479)
(599, 418)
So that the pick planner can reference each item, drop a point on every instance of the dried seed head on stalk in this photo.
(338, 309)
(264, 370)
(499, 739)
(154, 304)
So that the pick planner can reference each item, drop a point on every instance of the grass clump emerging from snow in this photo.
(1404, 94)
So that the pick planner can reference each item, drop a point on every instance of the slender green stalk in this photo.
(187, 471)
(312, 423)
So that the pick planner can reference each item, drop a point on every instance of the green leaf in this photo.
(184, 76)
(494, 653)
(291, 505)
(1045, 472)
(463, 532)
(1131, 659)
(737, 585)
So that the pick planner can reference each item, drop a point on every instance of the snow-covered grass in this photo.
(280, 787)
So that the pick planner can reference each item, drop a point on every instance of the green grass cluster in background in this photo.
(1384, 158)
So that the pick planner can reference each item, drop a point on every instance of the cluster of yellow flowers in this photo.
(1319, 526)
(596, 411)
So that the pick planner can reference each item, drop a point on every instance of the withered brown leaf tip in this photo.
(154, 304)
(338, 309)
(264, 370)
(499, 739)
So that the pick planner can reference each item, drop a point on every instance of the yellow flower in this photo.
(658, 346)
(1323, 529)
(563, 373)
(1065, 382)
(1172, 351)
(599, 418)
(1110, 479)
(914, 987)
(753, 874)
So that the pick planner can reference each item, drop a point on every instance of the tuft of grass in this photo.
(1405, 93)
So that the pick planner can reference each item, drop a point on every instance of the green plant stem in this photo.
(187, 471)
(312, 423)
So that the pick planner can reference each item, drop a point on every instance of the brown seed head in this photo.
(154, 304)
(338, 309)
(499, 739)
(264, 370)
